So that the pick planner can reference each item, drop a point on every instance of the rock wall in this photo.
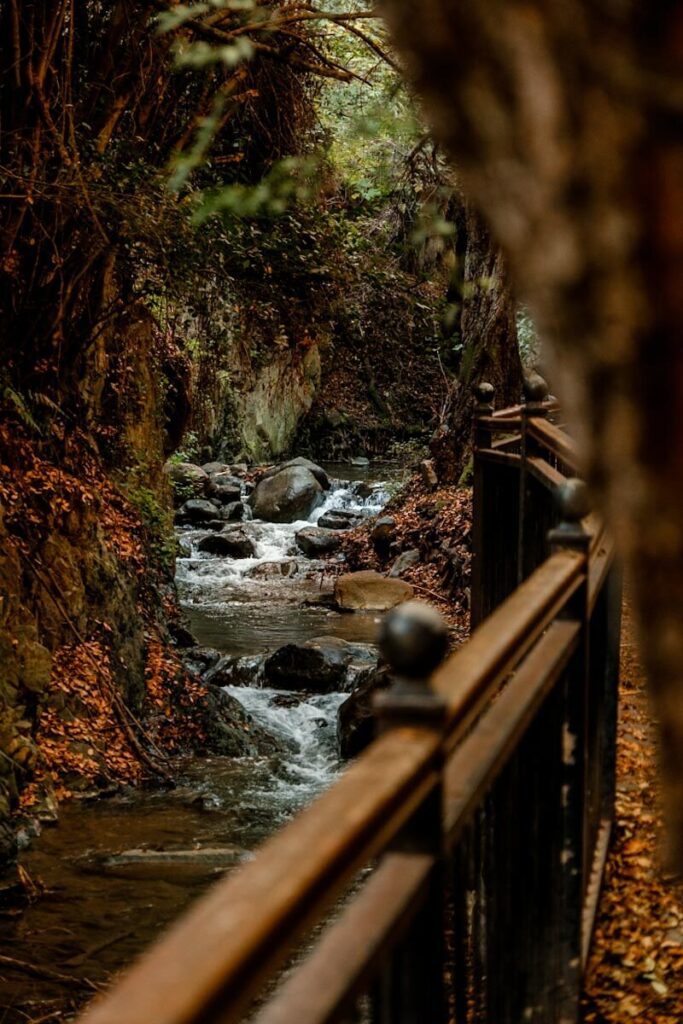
(273, 409)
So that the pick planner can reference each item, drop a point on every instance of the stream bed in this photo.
(106, 898)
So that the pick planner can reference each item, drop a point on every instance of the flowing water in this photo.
(117, 871)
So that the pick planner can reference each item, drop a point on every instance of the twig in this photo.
(432, 593)
(45, 972)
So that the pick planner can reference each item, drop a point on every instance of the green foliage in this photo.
(158, 524)
(189, 451)
(11, 397)
(529, 342)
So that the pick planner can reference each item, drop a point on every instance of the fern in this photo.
(13, 398)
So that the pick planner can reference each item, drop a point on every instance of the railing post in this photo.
(412, 988)
(481, 438)
(570, 849)
(535, 392)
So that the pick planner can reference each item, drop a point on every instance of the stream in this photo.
(105, 899)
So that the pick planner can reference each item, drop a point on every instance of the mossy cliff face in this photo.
(273, 409)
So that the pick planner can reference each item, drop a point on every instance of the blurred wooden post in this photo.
(535, 392)
(481, 438)
(570, 849)
(412, 988)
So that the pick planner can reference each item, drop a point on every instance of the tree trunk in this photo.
(564, 122)
(488, 334)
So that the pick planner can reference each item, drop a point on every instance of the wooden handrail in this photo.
(468, 679)
(340, 965)
(555, 440)
(475, 764)
(240, 931)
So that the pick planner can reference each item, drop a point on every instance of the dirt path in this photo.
(635, 971)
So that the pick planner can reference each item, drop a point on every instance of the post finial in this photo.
(573, 500)
(413, 639)
(535, 388)
(484, 392)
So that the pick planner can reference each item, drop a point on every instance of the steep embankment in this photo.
(91, 691)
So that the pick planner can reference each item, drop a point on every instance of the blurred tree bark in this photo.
(564, 120)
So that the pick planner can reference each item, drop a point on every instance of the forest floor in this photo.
(635, 969)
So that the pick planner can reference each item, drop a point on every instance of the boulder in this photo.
(404, 561)
(274, 570)
(200, 660)
(230, 729)
(234, 544)
(363, 489)
(235, 511)
(232, 671)
(314, 541)
(187, 480)
(429, 474)
(239, 468)
(356, 724)
(317, 471)
(224, 479)
(290, 494)
(368, 590)
(216, 467)
(324, 665)
(195, 511)
(383, 535)
(339, 519)
(227, 494)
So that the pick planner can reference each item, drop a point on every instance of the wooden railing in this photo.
(452, 872)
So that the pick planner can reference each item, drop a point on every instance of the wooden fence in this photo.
(452, 872)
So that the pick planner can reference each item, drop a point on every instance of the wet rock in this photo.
(356, 724)
(239, 469)
(383, 535)
(233, 544)
(286, 700)
(214, 524)
(290, 494)
(274, 570)
(323, 665)
(404, 561)
(317, 471)
(369, 590)
(363, 489)
(181, 635)
(199, 660)
(227, 494)
(339, 519)
(235, 511)
(196, 510)
(314, 541)
(231, 731)
(225, 479)
(232, 671)
(211, 468)
(187, 480)
(142, 864)
(429, 474)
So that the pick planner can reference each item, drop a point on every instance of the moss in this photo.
(158, 523)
